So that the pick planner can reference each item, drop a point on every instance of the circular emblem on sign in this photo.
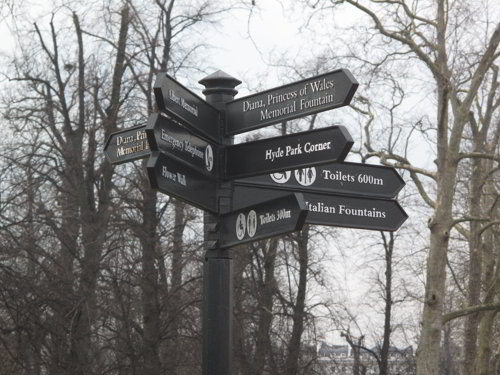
(281, 177)
(251, 223)
(305, 176)
(240, 226)
(209, 158)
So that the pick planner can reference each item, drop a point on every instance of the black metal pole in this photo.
(217, 350)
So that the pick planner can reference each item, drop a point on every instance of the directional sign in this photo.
(266, 219)
(127, 145)
(173, 177)
(169, 136)
(343, 178)
(290, 151)
(298, 99)
(179, 101)
(334, 210)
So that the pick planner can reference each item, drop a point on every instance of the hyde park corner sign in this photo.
(309, 96)
(313, 147)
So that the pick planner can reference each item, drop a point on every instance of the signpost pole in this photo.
(217, 348)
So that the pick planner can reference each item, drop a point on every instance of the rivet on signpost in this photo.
(218, 268)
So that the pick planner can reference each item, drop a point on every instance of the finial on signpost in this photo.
(219, 87)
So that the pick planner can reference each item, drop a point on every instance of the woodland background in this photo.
(99, 274)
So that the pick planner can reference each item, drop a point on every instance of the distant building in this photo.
(339, 360)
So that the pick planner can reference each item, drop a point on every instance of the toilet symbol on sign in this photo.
(240, 226)
(252, 223)
(305, 176)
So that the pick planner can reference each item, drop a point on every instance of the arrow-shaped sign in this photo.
(173, 177)
(179, 101)
(344, 178)
(298, 99)
(127, 145)
(169, 136)
(334, 210)
(313, 147)
(266, 219)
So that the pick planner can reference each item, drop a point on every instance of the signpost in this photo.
(173, 177)
(290, 151)
(177, 100)
(334, 210)
(340, 178)
(317, 94)
(266, 219)
(127, 145)
(259, 189)
(169, 136)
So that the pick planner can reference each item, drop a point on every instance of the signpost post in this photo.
(259, 189)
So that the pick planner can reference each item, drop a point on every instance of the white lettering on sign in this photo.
(143, 145)
(284, 214)
(176, 99)
(337, 176)
(297, 150)
(315, 102)
(251, 105)
(280, 98)
(193, 150)
(176, 177)
(280, 104)
(271, 217)
(314, 147)
(268, 114)
(321, 85)
(271, 155)
(321, 207)
(181, 178)
(168, 175)
(183, 103)
(344, 210)
(267, 218)
(138, 136)
(191, 108)
(174, 142)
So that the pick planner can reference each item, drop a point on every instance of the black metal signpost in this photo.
(259, 189)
